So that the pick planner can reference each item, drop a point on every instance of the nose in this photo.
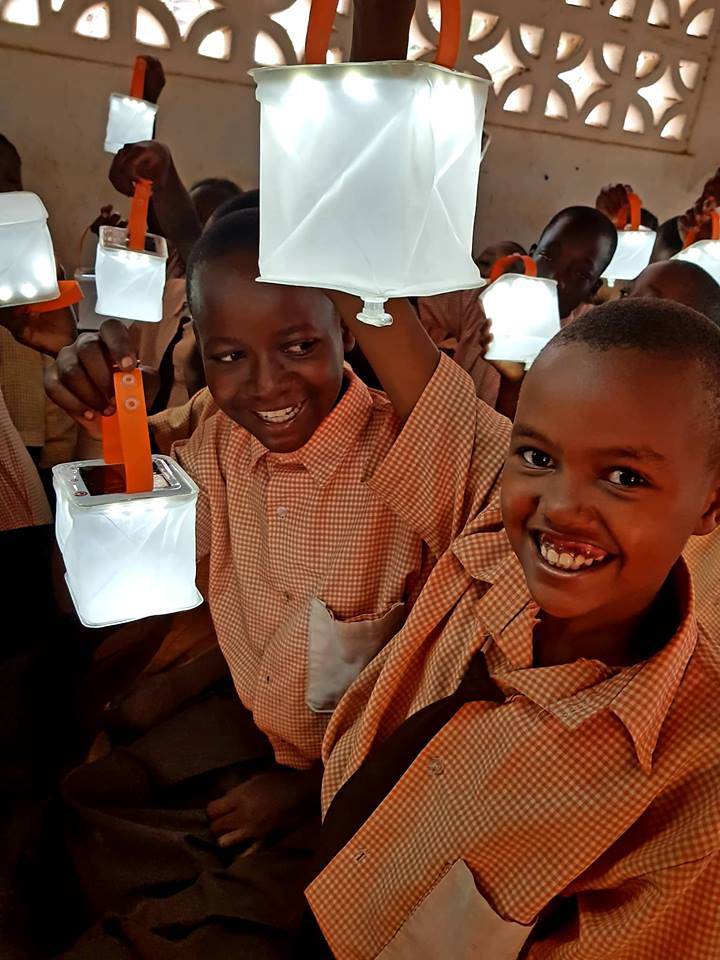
(266, 377)
(565, 503)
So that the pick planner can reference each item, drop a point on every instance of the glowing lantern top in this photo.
(130, 118)
(704, 253)
(28, 273)
(634, 243)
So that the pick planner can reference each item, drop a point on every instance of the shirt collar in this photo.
(640, 695)
(339, 431)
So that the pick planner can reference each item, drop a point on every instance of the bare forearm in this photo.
(176, 215)
(380, 29)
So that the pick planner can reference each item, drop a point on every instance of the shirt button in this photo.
(267, 679)
(287, 597)
(359, 856)
(436, 766)
(281, 512)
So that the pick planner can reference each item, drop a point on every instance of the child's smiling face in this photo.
(273, 355)
(609, 473)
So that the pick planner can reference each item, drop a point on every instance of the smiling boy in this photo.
(533, 762)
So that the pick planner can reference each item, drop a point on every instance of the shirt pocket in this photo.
(339, 649)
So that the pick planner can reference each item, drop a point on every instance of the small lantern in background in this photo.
(522, 309)
(704, 253)
(126, 525)
(634, 244)
(130, 278)
(368, 172)
(130, 118)
(28, 273)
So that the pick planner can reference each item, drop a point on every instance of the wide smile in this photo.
(563, 557)
(278, 419)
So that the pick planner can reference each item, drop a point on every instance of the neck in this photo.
(616, 641)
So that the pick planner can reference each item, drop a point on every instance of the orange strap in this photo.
(322, 18)
(633, 210)
(137, 84)
(500, 266)
(125, 434)
(692, 235)
(70, 293)
(137, 225)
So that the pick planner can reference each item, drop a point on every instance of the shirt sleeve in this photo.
(179, 423)
(669, 912)
(198, 456)
(445, 465)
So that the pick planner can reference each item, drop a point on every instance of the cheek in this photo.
(519, 497)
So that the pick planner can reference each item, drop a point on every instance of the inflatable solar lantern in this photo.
(126, 524)
(704, 253)
(368, 171)
(130, 265)
(130, 118)
(522, 309)
(28, 273)
(634, 243)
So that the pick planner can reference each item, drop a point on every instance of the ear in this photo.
(348, 338)
(710, 520)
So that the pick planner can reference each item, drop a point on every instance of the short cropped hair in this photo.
(662, 328)
(245, 201)
(219, 184)
(589, 219)
(237, 232)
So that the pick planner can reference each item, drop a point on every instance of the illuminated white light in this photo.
(634, 249)
(44, 271)
(129, 283)
(524, 315)
(129, 120)
(705, 254)
(359, 87)
(5, 293)
(28, 290)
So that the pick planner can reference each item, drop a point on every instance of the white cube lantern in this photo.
(634, 249)
(28, 273)
(88, 317)
(524, 315)
(130, 283)
(127, 555)
(704, 253)
(368, 178)
(130, 120)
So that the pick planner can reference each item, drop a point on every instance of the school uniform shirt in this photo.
(311, 572)
(589, 787)
(174, 332)
(22, 499)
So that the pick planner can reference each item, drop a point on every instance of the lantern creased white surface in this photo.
(130, 283)
(523, 313)
(634, 249)
(127, 555)
(368, 178)
(28, 273)
(129, 121)
(88, 317)
(704, 253)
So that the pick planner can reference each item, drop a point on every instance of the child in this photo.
(487, 257)
(682, 282)
(533, 759)
(575, 248)
(311, 572)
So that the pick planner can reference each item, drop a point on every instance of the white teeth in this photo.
(565, 560)
(279, 416)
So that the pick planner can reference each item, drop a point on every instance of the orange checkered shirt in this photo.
(595, 784)
(285, 529)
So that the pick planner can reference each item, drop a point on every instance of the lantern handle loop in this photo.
(692, 235)
(137, 224)
(500, 266)
(322, 18)
(632, 211)
(137, 84)
(125, 434)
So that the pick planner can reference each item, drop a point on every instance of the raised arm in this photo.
(381, 29)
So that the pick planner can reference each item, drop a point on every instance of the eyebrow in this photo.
(646, 454)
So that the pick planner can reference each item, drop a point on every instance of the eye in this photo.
(624, 477)
(300, 349)
(535, 458)
(232, 357)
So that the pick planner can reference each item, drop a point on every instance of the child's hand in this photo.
(154, 79)
(109, 217)
(264, 803)
(45, 332)
(697, 221)
(147, 160)
(612, 199)
(80, 381)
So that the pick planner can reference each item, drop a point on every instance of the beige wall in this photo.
(54, 109)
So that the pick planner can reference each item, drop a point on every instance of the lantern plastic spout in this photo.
(373, 313)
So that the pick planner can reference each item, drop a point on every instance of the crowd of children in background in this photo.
(446, 596)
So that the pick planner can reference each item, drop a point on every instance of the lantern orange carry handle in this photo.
(633, 210)
(70, 293)
(692, 235)
(137, 224)
(322, 18)
(137, 84)
(125, 434)
(500, 266)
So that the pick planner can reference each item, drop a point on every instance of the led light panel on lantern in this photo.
(705, 254)
(524, 315)
(368, 178)
(129, 121)
(28, 273)
(634, 249)
(127, 555)
(130, 283)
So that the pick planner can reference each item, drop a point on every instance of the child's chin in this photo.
(558, 603)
